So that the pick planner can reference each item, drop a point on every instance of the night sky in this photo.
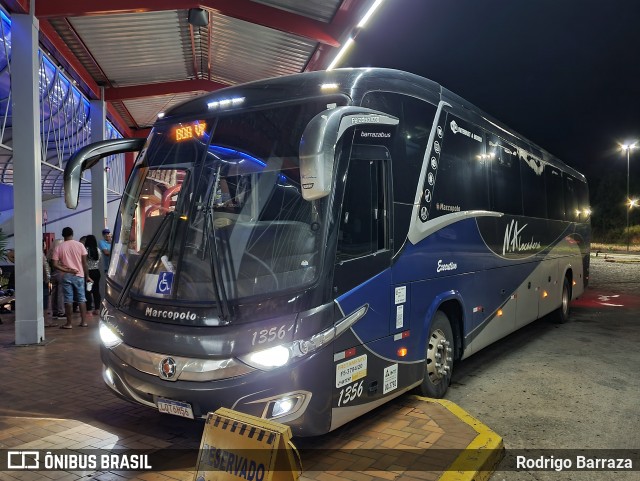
(563, 73)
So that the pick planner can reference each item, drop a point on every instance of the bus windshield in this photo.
(214, 210)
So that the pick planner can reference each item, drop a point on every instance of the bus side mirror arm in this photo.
(87, 157)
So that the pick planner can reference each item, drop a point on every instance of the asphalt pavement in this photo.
(561, 388)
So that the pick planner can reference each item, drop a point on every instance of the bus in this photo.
(308, 247)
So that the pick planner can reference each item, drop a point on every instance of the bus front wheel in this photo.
(439, 357)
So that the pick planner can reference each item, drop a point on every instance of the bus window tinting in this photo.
(506, 192)
(362, 221)
(572, 210)
(534, 199)
(555, 194)
(415, 122)
(461, 179)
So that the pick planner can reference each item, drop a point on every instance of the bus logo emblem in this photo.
(168, 368)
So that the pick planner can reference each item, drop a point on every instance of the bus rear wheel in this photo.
(439, 357)
(562, 313)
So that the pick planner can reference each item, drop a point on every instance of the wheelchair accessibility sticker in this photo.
(165, 283)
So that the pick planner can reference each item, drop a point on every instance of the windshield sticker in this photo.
(456, 129)
(513, 241)
(390, 379)
(165, 282)
(350, 371)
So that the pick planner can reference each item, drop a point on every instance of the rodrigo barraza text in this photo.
(548, 463)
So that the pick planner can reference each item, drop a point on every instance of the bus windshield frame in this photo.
(214, 210)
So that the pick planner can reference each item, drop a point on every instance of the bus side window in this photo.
(461, 180)
(506, 191)
(583, 200)
(571, 199)
(555, 193)
(534, 200)
(362, 228)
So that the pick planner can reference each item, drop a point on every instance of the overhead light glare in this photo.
(341, 53)
(369, 13)
(329, 86)
(160, 115)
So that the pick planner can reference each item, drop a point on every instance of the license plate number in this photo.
(177, 408)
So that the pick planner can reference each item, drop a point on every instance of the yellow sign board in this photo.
(237, 446)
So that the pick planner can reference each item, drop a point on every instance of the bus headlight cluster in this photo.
(282, 354)
(109, 338)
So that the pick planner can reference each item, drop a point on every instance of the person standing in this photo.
(70, 257)
(57, 293)
(46, 286)
(93, 262)
(105, 249)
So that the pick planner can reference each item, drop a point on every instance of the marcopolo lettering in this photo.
(151, 312)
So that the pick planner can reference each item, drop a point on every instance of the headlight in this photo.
(267, 359)
(278, 356)
(109, 338)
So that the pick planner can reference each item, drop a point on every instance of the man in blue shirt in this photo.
(105, 248)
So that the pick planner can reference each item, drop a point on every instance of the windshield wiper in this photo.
(215, 265)
(143, 259)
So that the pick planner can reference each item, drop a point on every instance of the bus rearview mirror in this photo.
(319, 140)
(87, 157)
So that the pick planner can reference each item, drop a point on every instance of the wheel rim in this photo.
(439, 357)
(565, 301)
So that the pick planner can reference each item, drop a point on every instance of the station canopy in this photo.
(145, 56)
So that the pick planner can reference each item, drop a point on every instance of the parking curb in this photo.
(480, 458)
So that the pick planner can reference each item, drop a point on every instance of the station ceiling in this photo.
(144, 56)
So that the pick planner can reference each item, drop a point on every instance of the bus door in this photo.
(362, 273)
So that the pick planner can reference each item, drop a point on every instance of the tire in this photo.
(561, 315)
(438, 364)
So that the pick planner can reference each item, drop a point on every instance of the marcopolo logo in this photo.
(151, 312)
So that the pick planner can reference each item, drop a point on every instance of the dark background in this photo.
(563, 73)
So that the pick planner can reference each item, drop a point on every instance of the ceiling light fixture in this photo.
(198, 17)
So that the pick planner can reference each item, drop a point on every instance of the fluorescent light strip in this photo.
(341, 53)
(367, 15)
(348, 43)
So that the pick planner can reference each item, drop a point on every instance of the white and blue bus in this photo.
(306, 248)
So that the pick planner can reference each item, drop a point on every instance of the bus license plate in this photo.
(177, 408)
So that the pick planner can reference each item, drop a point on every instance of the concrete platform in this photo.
(54, 398)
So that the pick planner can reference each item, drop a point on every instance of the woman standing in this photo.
(93, 262)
